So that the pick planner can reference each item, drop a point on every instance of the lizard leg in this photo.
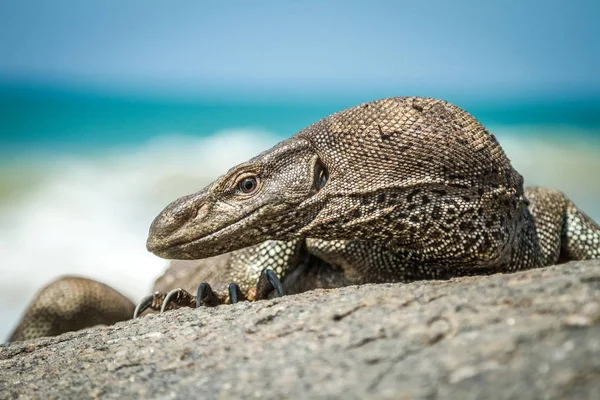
(580, 236)
(251, 271)
(564, 232)
(69, 304)
(259, 270)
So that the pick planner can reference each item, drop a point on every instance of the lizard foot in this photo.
(268, 283)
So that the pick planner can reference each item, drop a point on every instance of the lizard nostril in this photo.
(174, 216)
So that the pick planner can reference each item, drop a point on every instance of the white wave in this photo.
(90, 215)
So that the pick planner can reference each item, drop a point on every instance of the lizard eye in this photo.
(248, 185)
(321, 176)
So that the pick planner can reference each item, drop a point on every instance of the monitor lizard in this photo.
(393, 190)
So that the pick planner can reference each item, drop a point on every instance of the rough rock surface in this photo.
(533, 334)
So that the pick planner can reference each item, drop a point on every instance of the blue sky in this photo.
(312, 46)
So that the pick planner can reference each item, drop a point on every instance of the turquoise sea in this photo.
(82, 173)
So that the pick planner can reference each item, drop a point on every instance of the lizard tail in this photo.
(69, 304)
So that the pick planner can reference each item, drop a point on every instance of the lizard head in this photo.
(241, 207)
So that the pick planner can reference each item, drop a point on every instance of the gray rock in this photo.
(533, 334)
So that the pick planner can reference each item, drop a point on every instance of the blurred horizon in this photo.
(71, 118)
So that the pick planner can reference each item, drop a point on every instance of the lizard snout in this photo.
(167, 229)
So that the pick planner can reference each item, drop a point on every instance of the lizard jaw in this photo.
(178, 247)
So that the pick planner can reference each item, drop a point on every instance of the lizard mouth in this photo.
(208, 244)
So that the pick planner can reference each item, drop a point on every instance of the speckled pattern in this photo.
(395, 190)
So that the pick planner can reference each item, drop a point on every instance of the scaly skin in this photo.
(398, 189)
(69, 304)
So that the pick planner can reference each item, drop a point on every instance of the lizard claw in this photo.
(143, 305)
(167, 299)
(268, 282)
(206, 296)
(177, 298)
(235, 294)
(275, 282)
